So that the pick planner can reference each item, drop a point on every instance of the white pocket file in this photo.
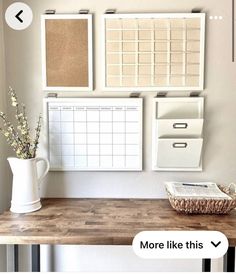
(177, 134)
(179, 153)
(189, 128)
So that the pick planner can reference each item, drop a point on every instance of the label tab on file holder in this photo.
(180, 125)
(179, 145)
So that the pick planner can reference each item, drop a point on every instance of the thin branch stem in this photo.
(19, 138)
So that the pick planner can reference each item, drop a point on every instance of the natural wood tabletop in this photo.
(104, 222)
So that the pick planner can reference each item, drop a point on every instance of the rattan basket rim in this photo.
(204, 205)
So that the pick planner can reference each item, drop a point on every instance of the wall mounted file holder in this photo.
(67, 63)
(151, 52)
(177, 134)
(94, 133)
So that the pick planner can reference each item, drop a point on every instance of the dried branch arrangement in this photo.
(19, 136)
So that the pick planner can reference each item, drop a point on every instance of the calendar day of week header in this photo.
(91, 108)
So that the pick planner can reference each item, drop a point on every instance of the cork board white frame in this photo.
(89, 49)
(152, 86)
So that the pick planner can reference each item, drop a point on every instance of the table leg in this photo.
(35, 258)
(206, 265)
(229, 260)
(16, 258)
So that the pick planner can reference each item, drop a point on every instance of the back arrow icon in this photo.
(18, 16)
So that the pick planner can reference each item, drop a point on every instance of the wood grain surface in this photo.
(104, 222)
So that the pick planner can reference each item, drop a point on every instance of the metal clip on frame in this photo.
(52, 95)
(110, 11)
(161, 94)
(83, 11)
(134, 95)
(194, 94)
(50, 11)
(196, 10)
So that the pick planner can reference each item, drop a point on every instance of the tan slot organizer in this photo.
(171, 45)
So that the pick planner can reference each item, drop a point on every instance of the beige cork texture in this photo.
(67, 52)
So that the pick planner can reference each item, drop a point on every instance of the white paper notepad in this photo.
(196, 190)
(94, 133)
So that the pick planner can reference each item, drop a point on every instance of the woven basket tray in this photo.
(205, 206)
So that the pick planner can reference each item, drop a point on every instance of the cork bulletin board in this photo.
(67, 52)
(149, 52)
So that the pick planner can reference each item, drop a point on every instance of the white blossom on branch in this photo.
(19, 137)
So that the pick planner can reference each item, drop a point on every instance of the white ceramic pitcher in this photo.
(25, 187)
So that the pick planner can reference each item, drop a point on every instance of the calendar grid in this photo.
(99, 129)
(95, 136)
(125, 135)
(112, 140)
(60, 140)
(74, 137)
(86, 124)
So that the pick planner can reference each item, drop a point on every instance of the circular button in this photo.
(19, 16)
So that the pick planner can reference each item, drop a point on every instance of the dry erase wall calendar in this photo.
(94, 133)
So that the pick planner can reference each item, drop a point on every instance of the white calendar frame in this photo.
(93, 102)
(200, 87)
(89, 18)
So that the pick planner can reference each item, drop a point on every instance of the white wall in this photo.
(24, 74)
(2, 108)
(4, 170)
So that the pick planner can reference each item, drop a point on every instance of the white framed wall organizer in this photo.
(177, 134)
(153, 51)
(67, 59)
(94, 133)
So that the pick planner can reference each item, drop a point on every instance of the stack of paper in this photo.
(196, 190)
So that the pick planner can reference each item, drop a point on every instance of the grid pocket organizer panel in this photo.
(94, 134)
(154, 51)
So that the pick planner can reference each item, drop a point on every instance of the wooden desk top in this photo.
(104, 222)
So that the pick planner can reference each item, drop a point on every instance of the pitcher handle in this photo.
(38, 159)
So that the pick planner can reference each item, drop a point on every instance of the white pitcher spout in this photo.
(12, 162)
(18, 166)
